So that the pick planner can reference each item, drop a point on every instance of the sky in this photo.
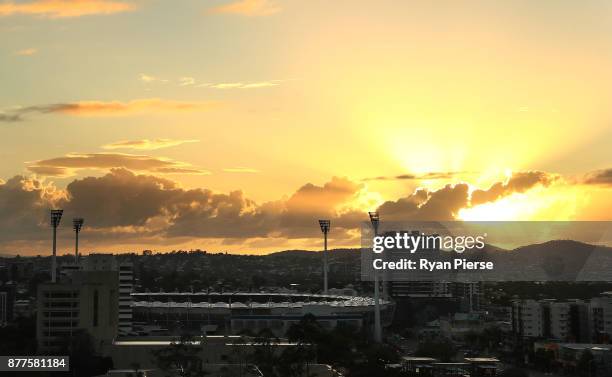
(234, 125)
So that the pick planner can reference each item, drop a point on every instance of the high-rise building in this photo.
(528, 318)
(126, 286)
(567, 320)
(81, 301)
(470, 295)
(108, 262)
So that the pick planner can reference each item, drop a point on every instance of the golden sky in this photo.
(236, 124)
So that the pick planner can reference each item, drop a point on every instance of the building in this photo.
(568, 355)
(126, 286)
(174, 313)
(83, 301)
(567, 320)
(8, 293)
(403, 286)
(528, 318)
(471, 366)
(108, 262)
(600, 313)
(3, 308)
(20, 270)
(470, 295)
(420, 289)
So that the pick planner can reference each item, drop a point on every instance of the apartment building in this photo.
(82, 301)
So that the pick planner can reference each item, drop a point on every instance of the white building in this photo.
(527, 318)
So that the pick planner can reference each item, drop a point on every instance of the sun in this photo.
(553, 203)
(512, 208)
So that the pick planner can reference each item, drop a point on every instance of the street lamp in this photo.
(56, 217)
(375, 220)
(77, 224)
(325, 225)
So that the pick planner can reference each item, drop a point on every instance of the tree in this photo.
(307, 330)
(442, 349)
(294, 361)
(586, 363)
(544, 359)
(19, 338)
(83, 358)
(264, 356)
(182, 357)
(514, 372)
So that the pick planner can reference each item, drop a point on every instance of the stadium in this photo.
(213, 313)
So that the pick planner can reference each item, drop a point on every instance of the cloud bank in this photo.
(123, 206)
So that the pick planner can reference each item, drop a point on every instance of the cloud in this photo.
(26, 52)
(125, 207)
(430, 175)
(23, 208)
(240, 169)
(51, 171)
(599, 177)
(439, 205)
(109, 108)
(147, 144)
(186, 81)
(128, 205)
(241, 85)
(517, 183)
(10, 117)
(69, 164)
(249, 8)
(64, 8)
(120, 198)
(149, 79)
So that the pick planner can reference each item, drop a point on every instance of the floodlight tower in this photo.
(325, 225)
(77, 224)
(56, 217)
(375, 220)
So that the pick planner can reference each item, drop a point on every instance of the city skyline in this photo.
(234, 125)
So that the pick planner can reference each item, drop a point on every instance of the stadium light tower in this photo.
(375, 220)
(77, 224)
(56, 217)
(325, 225)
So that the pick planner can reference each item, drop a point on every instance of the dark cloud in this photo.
(599, 177)
(519, 182)
(24, 204)
(438, 205)
(119, 198)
